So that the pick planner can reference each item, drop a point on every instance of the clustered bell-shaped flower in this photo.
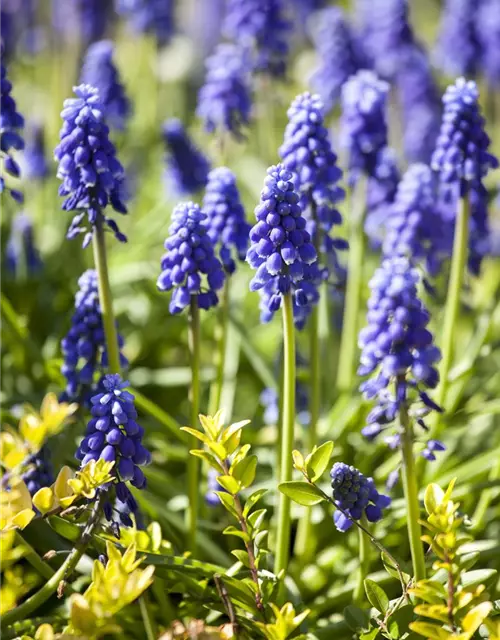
(355, 496)
(225, 101)
(11, 124)
(225, 221)
(90, 172)
(262, 27)
(99, 71)
(35, 166)
(488, 31)
(187, 168)
(281, 249)
(22, 257)
(340, 54)
(149, 16)
(420, 103)
(458, 51)
(190, 266)
(461, 155)
(415, 228)
(398, 350)
(363, 122)
(39, 472)
(381, 191)
(84, 346)
(114, 435)
(308, 153)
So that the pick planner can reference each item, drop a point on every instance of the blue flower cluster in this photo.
(458, 50)
(90, 172)
(114, 435)
(262, 27)
(355, 495)
(269, 400)
(211, 497)
(339, 51)
(22, 257)
(461, 155)
(397, 348)
(363, 122)
(225, 221)
(390, 35)
(488, 29)
(225, 101)
(99, 71)
(35, 166)
(308, 153)
(415, 228)
(149, 16)
(382, 188)
(11, 123)
(421, 105)
(84, 346)
(187, 167)
(281, 249)
(39, 472)
(190, 256)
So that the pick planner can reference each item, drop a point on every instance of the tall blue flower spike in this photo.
(340, 54)
(458, 50)
(281, 249)
(308, 153)
(398, 350)
(11, 125)
(415, 227)
(355, 496)
(99, 71)
(84, 346)
(149, 16)
(90, 172)
(21, 254)
(382, 188)
(225, 100)
(488, 33)
(262, 27)
(363, 122)
(187, 168)
(225, 221)
(190, 267)
(35, 165)
(114, 435)
(39, 472)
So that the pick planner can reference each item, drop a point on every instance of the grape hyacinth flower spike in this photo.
(149, 16)
(399, 354)
(187, 168)
(90, 172)
(381, 191)
(22, 258)
(225, 100)
(114, 435)
(263, 28)
(364, 136)
(11, 125)
(39, 472)
(99, 71)
(191, 269)
(84, 346)
(282, 252)
(35, 166)
(458, 50)
(462, 161)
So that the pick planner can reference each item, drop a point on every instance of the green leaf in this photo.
(370, 635)
(376, 596)
(228, 502)
(301, 492)
(253, 499)
(356, 618)
(475, 618)
(479, 576)
(229, 484)
(233, 531)
(208, 457)
(256, 518)
(318, 460)
(392, 570)
(242, 556)
(244, 471)
(468, 560)
(399, 621)
(430, 631)
(433, 497)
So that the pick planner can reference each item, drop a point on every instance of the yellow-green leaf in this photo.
(318, 460)
(302, 492)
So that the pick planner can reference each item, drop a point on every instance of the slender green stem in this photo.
(287, 434)
(355, 268)
(56, 582)
(458, 263)
(364, 562)
(147, 618)
(193, 467)
(108, 318)
(411, 495)
(34, 559)
(220, 357)
(485, 499)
